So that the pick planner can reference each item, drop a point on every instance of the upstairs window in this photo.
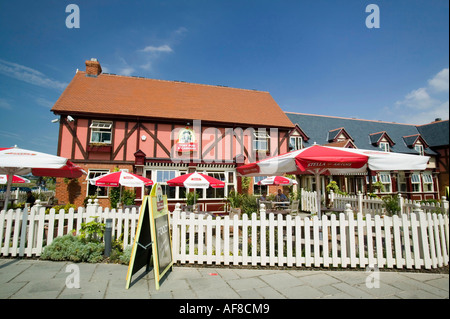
(261, 141)
(384, 146)
(101, 132)
(296, 143)
(419, 148)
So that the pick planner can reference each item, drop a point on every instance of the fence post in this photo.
(417, 210)
(360, 202)
(331, 198)
(349, 213)
(401, 203)
(262, 211)
(444, 205)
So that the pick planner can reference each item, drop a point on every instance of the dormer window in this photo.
(382, 140)
(419, 148)
(101, 132)
(417, 142)
(295, 143)
(384, 146)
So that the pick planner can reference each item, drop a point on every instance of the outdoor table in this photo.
(280, 205)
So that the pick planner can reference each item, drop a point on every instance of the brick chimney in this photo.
(93, 67)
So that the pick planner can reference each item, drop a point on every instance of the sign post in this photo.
(152, 244)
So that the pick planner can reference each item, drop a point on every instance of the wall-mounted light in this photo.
(143, 137)
(70, 118)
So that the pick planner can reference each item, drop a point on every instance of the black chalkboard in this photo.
(141, 255)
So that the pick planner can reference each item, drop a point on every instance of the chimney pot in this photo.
(93, 67)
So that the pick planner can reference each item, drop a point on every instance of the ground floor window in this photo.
(415, 182)
(427, 179)
(93, 190)
(401, 179)
(385, 179)
(259, 189)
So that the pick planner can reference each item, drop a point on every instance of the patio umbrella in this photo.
(121, 178)
(196, 180)
(15, 160)
(116, 179)
(318, 160)
(16, 179)
(277, 180)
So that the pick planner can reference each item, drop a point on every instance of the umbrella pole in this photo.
(318, 199)
(8, 189)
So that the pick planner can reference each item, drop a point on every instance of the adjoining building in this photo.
(430, 139)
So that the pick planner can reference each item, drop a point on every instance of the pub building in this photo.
(162, 129)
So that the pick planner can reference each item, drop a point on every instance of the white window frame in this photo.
(401, 181)
(416, 182)
(384, 146)
(261, 138)
(385, 179)
(419, 148)
(427, 179)
(296, 142)
(97, 172)
(261, 188)
(101, 127)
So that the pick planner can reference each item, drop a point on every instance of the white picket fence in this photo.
(420, 240)
(24, 233)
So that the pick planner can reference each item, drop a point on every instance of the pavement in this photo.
(36, 279)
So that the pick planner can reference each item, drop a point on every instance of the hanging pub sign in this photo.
(152, 244)
(186, 141)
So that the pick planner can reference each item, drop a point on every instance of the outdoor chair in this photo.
(293, 208)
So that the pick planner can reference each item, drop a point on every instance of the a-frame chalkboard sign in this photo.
(152, 243)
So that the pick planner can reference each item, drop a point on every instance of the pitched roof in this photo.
(435, 133)
(363, 132)
(108, 94)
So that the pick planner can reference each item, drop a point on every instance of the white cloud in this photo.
(439, 83)
(29, 75)
(153, 49)
(426, 104)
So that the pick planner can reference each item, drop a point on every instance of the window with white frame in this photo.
(101, 132)
(261, 141)
(427, 179)
(216, 192)
(259, 189)
(296, 142)
(415, 182)
(384, 146)
(385, 179)
(401, 179)
(162, 176)
(419, 148)
(96, 190)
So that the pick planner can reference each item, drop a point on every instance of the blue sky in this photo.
(314, 57)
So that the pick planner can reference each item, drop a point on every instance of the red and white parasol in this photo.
(19, 161)
(16, 179)
(196, 180)
(318, 160)
(277, 180)
(116, 179)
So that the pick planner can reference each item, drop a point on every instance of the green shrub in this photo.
(73, 248)
(391, 204)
